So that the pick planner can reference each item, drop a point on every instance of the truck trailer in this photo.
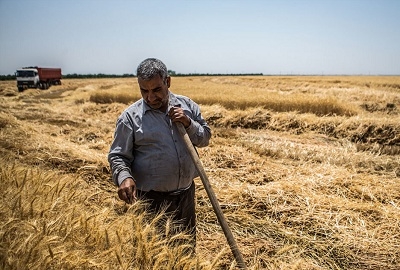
(37, 77)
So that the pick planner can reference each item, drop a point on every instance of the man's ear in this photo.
(168, 80)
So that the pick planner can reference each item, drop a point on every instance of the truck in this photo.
(37, 77)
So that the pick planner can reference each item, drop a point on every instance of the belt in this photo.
(164, 193)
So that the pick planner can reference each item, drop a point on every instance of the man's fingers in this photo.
(127, 190)
(126, 194)
(178, 115)
(122, 195)
(134, 197)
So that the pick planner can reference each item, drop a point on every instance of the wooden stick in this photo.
(211, 195)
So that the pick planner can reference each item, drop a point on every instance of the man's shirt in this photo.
(147, 146)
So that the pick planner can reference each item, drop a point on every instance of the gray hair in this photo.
(150, 67)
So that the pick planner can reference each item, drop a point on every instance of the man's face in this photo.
(155, 92)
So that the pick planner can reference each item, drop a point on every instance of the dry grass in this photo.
(60, 222)
(306, 169)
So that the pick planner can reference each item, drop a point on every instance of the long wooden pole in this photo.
(211, 195)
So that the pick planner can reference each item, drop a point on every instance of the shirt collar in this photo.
(173, 101)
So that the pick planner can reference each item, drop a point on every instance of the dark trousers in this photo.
(179, 206)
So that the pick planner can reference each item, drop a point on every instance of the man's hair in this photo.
(150, 67)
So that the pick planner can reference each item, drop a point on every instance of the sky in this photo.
(308, 37)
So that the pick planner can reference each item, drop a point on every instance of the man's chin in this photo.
(155, 106)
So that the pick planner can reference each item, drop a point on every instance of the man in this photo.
(148, 157)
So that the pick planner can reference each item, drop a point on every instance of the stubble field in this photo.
(306, 169)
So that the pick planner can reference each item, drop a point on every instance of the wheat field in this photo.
(306, 170)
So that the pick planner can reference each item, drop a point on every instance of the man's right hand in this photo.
(127, 191)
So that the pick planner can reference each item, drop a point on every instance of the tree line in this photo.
(101, 75)
(173, 74)
(76, 76)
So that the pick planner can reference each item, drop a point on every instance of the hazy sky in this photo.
(271, 37)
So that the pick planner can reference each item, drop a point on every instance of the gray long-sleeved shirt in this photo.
(147, 146)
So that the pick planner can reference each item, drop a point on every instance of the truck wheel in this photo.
(20, 89)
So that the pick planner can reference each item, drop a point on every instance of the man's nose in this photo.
(151, 96)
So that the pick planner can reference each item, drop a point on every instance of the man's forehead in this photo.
(151, 84)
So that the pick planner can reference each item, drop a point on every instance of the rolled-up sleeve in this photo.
(199, 132)
(120, 155)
